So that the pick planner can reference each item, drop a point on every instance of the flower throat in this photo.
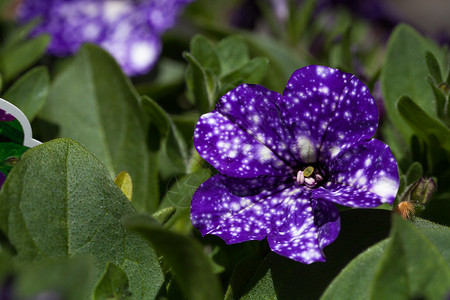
(310, 177)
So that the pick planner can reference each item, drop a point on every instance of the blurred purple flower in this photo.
(129, 29)
(286, 160)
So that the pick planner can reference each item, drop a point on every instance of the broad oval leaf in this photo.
(233, 53)
(92, 102)
(251, 72)
(204, 51)
(382, 271)
(353, 281)
(60, 201)
(412, 266)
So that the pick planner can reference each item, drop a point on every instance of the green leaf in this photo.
(168, 83)
(180, 194)
(10, 154)
(157, 116)
(113, 284)
(395, 140)
(205, 53)
(346, 56)
(163, 215)
(186, 123)
(433, 67)
(412, 266)
(278, 277)
(422, 123)
(352, 281)
(6, 264)
(299, 18)
(60, 201)
(448, 77)
(18, 58)
(159, 126)
(283, 60)
(184, 255)
(414, 173)
(355, 280)
(251, 72)
(404, 73)
(92, 102)
(402, 185)
(174, 153)
(201, 84)
(173, 147)
(440, 98)
(66, 278)
(166, 144)
(30, 91)
(232, 52)
(19, 34)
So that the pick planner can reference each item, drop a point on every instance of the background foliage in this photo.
(67, 228)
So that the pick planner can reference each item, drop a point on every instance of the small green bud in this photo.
(423, 190)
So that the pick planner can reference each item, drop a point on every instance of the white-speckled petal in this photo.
(365, 175)
(233, 151)
(254, 109)
(236, 211)
(326, 111)
(327, 221)
(294, 233)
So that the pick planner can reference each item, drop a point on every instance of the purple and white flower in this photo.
(286, 160)
(129, 29)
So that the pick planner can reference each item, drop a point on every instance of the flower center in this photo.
(309, 177)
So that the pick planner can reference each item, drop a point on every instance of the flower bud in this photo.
(422, 191)
(417, 195)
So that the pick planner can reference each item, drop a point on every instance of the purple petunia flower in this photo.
(286, 160)
(129, 29)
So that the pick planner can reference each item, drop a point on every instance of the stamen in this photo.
(310, 182)
(309, 177)
(308, 171)
(300, 177)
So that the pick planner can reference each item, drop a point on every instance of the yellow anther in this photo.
(308, 171)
